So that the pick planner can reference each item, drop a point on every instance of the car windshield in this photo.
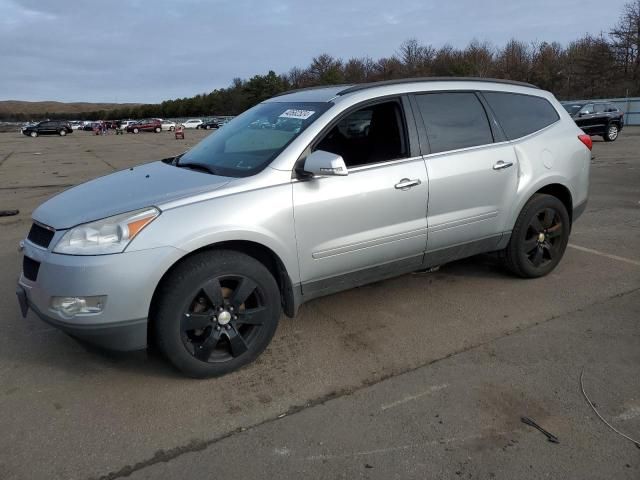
(252, 140)
(572, 108)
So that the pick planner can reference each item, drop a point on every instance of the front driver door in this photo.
(371, 223)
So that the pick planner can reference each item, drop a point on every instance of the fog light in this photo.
(71, 306)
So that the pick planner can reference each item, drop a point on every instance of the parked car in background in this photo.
(123, 124)
(49, 127)
(76, 124)
(149, 125)
(168, 125)
(208, 125)
(91, 126)
(597, 118)
(201, 253)
(193, 123)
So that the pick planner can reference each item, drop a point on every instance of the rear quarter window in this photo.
(519, 114)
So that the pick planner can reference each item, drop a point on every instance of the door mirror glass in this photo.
(321, 163)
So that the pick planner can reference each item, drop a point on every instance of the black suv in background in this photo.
(208, 124)
(50, 127)
(597, 118)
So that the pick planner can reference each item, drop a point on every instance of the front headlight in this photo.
(109, 235)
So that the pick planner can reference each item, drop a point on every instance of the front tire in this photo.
(135, 130)
(157, 129)
(62, 133)
(611, 133)
(34, 134)
(216, 312)
(539, 238)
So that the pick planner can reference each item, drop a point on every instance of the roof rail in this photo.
(316, 87)
(400, 81)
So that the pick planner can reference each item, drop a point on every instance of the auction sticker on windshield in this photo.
(299, 114)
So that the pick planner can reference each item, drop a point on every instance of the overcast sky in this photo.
(152, 50)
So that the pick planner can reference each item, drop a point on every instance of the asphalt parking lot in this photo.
(422, 376)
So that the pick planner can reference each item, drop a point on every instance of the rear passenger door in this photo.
(46, 128)
(473, 171)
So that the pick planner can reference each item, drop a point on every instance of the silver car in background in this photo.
(201, 253)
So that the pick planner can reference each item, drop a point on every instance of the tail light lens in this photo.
(586, 139)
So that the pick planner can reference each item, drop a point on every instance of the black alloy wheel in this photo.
(215, 312)
(539, 237)
(543, 237)
(222, 321)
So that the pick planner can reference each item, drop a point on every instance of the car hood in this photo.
(147, 185)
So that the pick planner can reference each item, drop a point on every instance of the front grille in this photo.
(30, 268)
(40, 236)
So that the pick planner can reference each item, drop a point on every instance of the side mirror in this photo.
(321, 163)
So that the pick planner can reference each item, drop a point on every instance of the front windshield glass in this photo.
(252, 140)
(572, 108)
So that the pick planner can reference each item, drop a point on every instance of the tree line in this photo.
(593, 66)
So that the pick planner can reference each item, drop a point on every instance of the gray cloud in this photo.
(149, 51)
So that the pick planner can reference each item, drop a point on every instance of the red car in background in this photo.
(145, 126)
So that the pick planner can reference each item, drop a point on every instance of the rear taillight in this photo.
(586, 139)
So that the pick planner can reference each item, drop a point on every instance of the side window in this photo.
(599, 108)
(611, 108)
(372, 134)
(454, 120)
(587, 109)
(519, 114)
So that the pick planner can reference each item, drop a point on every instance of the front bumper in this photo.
(127, 280)
(122, 336)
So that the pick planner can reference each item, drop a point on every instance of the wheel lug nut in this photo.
(218, 327)
(231, 309)
(228, 327)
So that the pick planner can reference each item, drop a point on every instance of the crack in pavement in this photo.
(6, 158)
(166, 456)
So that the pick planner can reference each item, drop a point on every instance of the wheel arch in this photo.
(260, 252)
(552, 185)
(562, 193)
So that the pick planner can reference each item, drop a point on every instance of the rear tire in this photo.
(216, 312)
(539, 237)
(135, 130)
(157, 130)
(611, 133)
(62, 133)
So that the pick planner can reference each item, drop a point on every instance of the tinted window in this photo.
(520, 115)
(599, 108)
(611, 108)
(572, 108)
(587, 109)
(369, 135)
(454, 120)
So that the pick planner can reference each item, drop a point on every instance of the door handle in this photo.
(406, 184)
(500, 165)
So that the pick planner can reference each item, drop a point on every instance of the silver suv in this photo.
(304, 195)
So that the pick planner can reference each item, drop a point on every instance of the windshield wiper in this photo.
(201, 167)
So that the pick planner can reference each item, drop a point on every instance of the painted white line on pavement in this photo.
(607, 255)
(432, 389)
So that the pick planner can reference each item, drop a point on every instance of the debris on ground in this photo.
(550, 436)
